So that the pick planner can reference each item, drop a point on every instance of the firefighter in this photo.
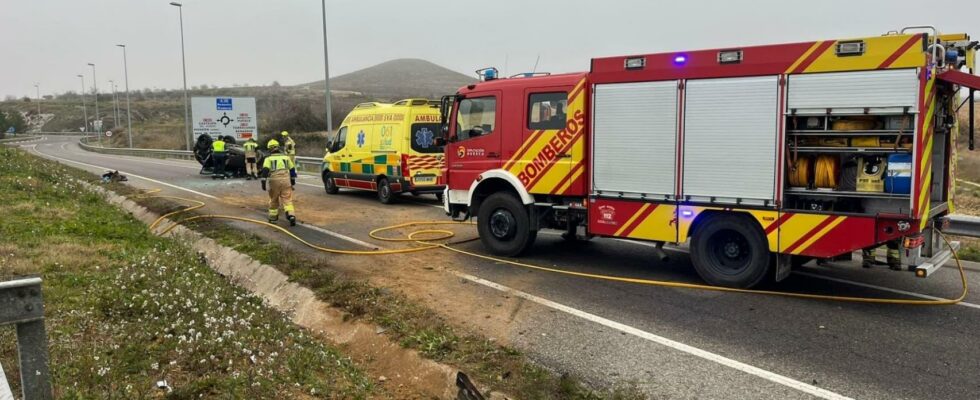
(893, 256)
(289, 146)
(251, 155)
(218, 157)
(281, 174)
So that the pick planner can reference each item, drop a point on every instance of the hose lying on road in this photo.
(427, 243)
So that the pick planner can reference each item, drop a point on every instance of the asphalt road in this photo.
(672, 343)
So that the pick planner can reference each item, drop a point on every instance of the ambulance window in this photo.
(476, 117)
(341, 139)
(423, 136)
(547, 110)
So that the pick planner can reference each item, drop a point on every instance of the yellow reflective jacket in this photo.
(279, 166)
(250, 148)
(218, 146)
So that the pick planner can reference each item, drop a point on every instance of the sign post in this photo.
(225, 116)
(23, 306)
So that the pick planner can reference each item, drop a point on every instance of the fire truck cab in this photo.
(760, 157)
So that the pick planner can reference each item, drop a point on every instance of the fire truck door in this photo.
(476, 138)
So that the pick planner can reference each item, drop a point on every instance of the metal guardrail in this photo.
(963, 225)
(154, 153)
(21, 304)
(303, 164)
(18, 139)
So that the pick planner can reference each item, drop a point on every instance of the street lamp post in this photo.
(183, 60)
(129, 115)
(326, 67)
(38, 87)
(84, 107)
(95, 91)
(115, 104)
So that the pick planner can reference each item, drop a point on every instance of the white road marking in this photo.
(5, 392)
(694, 351)
(128, 174)
(424, 204)
(342, 236)
(882, 288)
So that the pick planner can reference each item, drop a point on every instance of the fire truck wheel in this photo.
(385, 194)
(730, 250)
(329, 184)
(504, 225)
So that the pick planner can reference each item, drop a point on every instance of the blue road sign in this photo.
(223, 103)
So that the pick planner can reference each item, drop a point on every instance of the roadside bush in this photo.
(12, 118)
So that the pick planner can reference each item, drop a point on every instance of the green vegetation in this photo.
(413, 325)
(126, 309)
(11, 119)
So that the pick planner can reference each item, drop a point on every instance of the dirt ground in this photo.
(423, 276)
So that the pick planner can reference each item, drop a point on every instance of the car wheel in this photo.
(504, 225)
(730, 250)
(329, 184)
(385, 194)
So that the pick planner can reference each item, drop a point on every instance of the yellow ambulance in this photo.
(387, 149)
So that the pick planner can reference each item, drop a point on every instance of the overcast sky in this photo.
(257, 42)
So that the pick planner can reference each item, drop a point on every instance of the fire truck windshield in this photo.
(476, 117)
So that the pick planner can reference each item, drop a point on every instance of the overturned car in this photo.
(234, 161)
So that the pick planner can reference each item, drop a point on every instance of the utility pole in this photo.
(95, 91)
(84, 107)
(183, 60)
(326, 68)
(129, 115)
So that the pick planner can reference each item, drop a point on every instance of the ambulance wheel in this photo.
(504, 225)
(329, 184)
(730, 250)
(385, 194)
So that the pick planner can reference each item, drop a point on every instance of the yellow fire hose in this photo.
(425, 244)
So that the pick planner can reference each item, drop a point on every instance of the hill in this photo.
(398, 79)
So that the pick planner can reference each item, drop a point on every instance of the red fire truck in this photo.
(761, 157)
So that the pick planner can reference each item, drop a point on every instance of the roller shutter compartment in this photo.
(877, 92)
(635, 139)
(730, 129)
